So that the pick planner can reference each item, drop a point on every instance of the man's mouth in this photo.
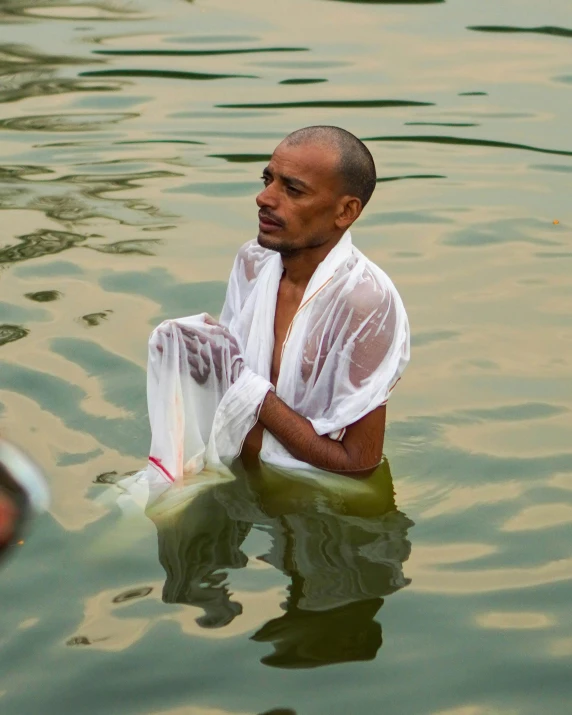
(268, 223)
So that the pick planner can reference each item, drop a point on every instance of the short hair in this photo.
(356, 165)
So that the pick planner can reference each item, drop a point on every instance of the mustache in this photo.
(271, 217)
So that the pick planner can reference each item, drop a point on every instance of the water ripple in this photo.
(198, 53)
(164, 74)
(44, 296)
(11, 333)
(393, 2)
(64, 122)
(508, 29)
(331, 104)
(437, 139)
(40, 243)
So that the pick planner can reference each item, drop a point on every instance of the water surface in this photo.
(132, 137)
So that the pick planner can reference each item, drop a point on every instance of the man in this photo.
(312, 337)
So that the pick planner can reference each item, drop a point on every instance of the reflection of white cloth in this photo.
(345, 350)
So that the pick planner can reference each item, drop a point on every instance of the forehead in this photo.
(315, 164)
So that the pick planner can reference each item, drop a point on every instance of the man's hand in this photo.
(208, 348)
(214, 347)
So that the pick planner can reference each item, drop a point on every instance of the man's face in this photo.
(302, 198)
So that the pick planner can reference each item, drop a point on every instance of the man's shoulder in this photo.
(370, 288)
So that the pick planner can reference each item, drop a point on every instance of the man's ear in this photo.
(349, 210)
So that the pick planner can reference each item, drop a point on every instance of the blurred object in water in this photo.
(23, 493)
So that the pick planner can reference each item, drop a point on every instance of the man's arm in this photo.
(358, 453)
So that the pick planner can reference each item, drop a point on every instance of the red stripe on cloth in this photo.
(157, 463)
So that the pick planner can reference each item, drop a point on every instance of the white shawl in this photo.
(346, 348)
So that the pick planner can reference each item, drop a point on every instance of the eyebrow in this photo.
(293, 181)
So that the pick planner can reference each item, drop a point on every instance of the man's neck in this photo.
(299, 267)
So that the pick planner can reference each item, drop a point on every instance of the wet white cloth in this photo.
(346, 348)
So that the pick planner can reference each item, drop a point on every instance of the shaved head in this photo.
(355, 162)
(315, 186)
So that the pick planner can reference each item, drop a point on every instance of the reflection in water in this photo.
(468, 142)
(306, 80)
(10, 333)
(132, 594)
(197, 53)
(138, 246)
(40, 243)
(395, 2)
(544, 30)
(342, 550)
(44, 296)
(66, 10)
(28, 73)
(440, 124)
(165, 74)
(242, 158)
(64, 122)
(384, 179)
(78, 640)
(75, 198)
(94, 319)
(332, 104)
(480, 434)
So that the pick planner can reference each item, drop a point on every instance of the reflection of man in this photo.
(312, 337)
(340, 563)
(22, 491)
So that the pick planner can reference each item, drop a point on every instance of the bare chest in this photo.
(287, 303)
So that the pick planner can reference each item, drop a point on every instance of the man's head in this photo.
(315, 186)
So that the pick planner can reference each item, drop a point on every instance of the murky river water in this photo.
(132, 136)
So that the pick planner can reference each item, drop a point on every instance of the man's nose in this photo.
(267, 198)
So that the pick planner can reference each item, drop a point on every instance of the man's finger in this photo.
(199, 378)
(218, 371)
(193, 361)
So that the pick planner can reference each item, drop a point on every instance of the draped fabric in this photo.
(345, 350)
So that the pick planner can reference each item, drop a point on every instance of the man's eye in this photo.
(265, 180)
(292, 190)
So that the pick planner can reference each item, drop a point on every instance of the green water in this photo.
(132, 136)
